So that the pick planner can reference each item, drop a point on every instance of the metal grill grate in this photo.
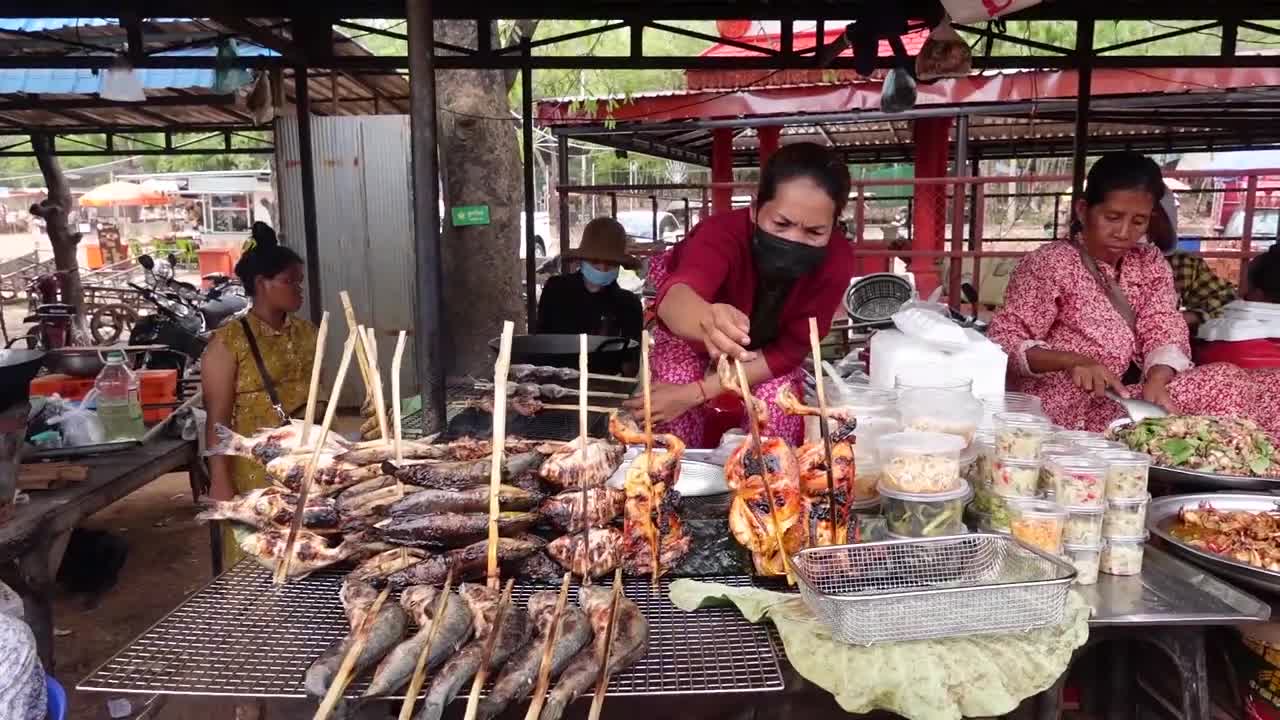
(241, 636)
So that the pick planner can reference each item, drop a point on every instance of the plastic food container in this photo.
(1000, 515)
(942, 411)
(1098, 445)
(1084, 526)
(1079, 481)
(1085, 558)
(865, 479)
(1069, 437)
(1008, 402)
(1125, 518)
(1122, 556)
(919, 462)
(931, 379)
(1016, 478)
(1126, 473)
(1020, 435)
(1038, 523)
(1048, 451)
(919, 515)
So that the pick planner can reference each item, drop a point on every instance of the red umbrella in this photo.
(118, 193)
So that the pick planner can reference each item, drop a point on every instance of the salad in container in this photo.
(1122, 556)
(921, 515)
(1127, 473)
(1019, 436)
(1125, 517)
(1016, 478)
(1049, 451)
(1038, 523)
(1084, 526)
(1085, 558)
(1079, 481)
(921, 462)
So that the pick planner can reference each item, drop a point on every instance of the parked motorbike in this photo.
(184, 315)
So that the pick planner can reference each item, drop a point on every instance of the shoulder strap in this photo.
(267, 383)
(1113, 291)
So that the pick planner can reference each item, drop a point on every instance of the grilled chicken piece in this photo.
(571, 466)
(652, 530)
(845, 418)
(603, 555)
(750, 518)
(812, 461)
(729, 381)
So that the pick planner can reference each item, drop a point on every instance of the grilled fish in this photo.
(331, 476)
(467, 563)
(272, 507)
(385, 631)
(466, 448)
(310, 551)
(460, 474)
(571, 467)
(464, 664)
(267, 444)
(384, 564)
(521, 671)
(419, 601)
(454, 529)
(472, 500)
(565, 510)
(603, 555)
(359, 496)
(630, 643)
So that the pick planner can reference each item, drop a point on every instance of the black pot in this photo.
(17, 368)
(605, 355)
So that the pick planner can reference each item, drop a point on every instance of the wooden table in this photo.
(33, 540)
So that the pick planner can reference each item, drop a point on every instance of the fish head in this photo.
(418, 599)
(356, 595)
(542, 607)
(482, 601)
(595, 600)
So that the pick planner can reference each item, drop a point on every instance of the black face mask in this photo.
(780, 258)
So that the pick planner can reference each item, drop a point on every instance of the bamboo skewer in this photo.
(361, 360)
(654, 538)
(500, 370)
(304, 488)
(420, 670)
(316, 359)
(582, 439)
(343, 676)
(375, 382)
(396, 359)
(482, 675)
(754, 424)
(816, 348)
(597, 702)
(590, 408)
(544, 668)
(590, 376)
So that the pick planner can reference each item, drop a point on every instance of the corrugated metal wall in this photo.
(365, 218)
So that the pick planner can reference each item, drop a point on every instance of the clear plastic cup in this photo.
(1079, 481)
(1098, 445)
(920, 462)
(1084, 526)
(1125, 518)
(1048, 451)
(1000, 514)
(1020, 435)
(1016, 478)
(921, 515)
(931, 379)
(1008, 402)
(1085, 557)
(1122, 556)
(944, 411)
(1038, 523)
(1069, 437)
(1127, 473)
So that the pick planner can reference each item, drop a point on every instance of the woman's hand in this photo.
(1094, 378)
(726, 331)
(667, 401)
(1156, 387)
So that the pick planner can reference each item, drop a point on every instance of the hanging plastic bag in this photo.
(899, 91)
(944, 54)
(79, 425)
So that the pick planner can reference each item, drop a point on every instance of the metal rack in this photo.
(242, 636)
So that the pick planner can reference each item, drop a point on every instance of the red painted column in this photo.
(768, 137)
(722, 168)
(929, 222)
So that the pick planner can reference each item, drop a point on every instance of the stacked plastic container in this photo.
(921, 491)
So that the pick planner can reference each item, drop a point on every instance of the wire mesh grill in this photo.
(939, 587)
(242, 636)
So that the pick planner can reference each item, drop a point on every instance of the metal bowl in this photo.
(81, 362)
(697, 478)
(1163, 513)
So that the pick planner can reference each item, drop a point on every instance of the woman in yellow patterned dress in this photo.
(234, 392)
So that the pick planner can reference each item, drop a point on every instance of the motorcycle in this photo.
(184, 315)
(53, 319)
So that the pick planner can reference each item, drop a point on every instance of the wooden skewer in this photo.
(590, 376)
(544, 668)
(500, 370)
(597, 702)
(343, 676)
(582, 440)
(420, 670)
(654, 539)
(363, 361)
(764, 468)
(482, 675)
(304, 488)
(375, 382)
(816, 348)
(590, 408)
(316, 362)
(396, 359)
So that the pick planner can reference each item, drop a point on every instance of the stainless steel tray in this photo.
(1196, 478)
(1162, 513)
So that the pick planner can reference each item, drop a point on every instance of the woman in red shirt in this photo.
(744, 284)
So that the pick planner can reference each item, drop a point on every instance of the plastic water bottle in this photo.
(119, 401)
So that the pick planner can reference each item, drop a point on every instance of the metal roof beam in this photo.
(32, 103)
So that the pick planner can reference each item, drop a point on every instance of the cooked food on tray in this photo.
(1224, 446)
(1247, 537)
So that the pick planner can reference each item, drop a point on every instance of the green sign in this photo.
(464, 215)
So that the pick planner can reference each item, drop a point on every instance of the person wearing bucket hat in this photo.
(590, 300)
(1201, 293)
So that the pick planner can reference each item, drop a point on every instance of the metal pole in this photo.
(426, 212)
(1084, 57)
(530, 266)
(562, 165)
(653, 202)
(307, 171)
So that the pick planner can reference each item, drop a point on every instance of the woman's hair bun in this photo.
(263, 236)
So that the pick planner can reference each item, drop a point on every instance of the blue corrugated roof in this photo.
(33, 25)
(87, 82)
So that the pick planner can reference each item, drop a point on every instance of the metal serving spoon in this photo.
(1137, 409)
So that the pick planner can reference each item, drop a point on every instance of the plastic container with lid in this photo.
(1084, 526)
(921, 462)
(1085, 557)
(866, 478)
(1019, 436)
(1000, 513)
(928, 378)
(1098, 445)
(1079, 481)
(1068, 437)
(945, 411)
(1016, 478)
(1008, 402)
(919, 515)
(1125, 518)
(1122, 556)
(1127, 473)
(1048, 451)
(1038, 523)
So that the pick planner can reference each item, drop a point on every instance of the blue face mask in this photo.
(598, 277)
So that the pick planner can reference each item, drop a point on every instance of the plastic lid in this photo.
(997, 492)
(1124, 457)
(1022, 420)
(919, 443)
(1129, 502)
(1133, 540)
(959, 529)
(961, 491)
(1078, 464)
(1097, 444)
(1073, 547)
(866, 504)
(1085, 510)
(1070, 436)
(1036, 508)
(1018, 463)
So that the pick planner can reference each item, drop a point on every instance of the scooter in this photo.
(184, 316)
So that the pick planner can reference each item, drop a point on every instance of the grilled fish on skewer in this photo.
(466, 448)
(572, 467)
(352, 497)
(603, 555)
(462, 474)
(372, 507)
(268, 444)
(652, 530)
(389, 562)
(271, 507)
(331, 476)
(310, 551)
(464, 664)
(565, 509)
(467, 563)
(450, 528)
(521, 672)
(385, 631)
(630, 643)
(419, 601)
(471, 500)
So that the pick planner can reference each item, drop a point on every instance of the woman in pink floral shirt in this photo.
(1101, 312)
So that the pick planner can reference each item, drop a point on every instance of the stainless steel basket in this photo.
(932, 588)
